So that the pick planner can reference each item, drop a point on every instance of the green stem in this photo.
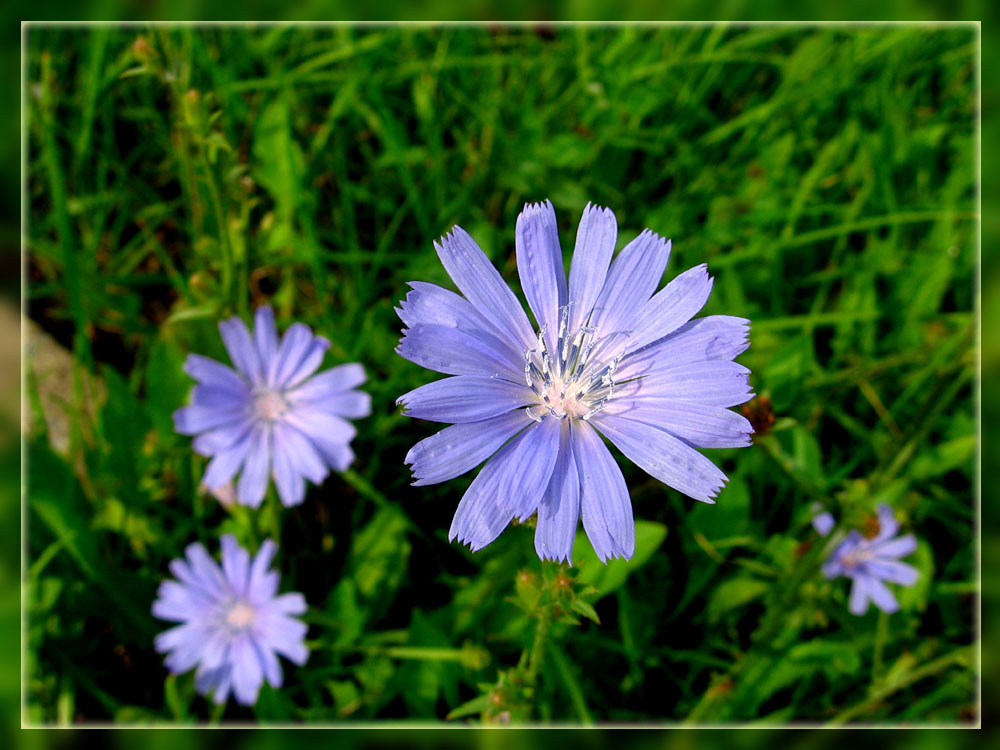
(537, 654)
(745, 671)
(228, 260)
(881, 634)
(960, 657)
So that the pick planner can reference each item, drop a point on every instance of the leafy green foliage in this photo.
(826, 175)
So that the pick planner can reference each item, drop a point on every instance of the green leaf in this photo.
(940, 459)
(346, 696)
(475, 706)
(125, 424)
(728, 517)
(56, 502)
(583, 608)
(649, 535)
(914, 598)
(345, 614)
(380, 554)
(734, 593)
(167, 385)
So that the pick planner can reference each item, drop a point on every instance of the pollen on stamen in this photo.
(270, 405)
(240, 616)
(561, 376)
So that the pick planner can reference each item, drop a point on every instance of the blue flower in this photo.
(871, 562)
(611, 355)
(271, 415)
(233, 624)
(822, 520)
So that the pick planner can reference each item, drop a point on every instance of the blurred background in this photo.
(827, 175)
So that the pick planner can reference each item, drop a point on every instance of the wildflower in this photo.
(822, 520)
(609, 357)
(271, 415)
(868, 562)
(233, 626)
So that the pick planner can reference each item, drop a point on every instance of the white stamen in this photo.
(269, 405)
(240, 616)
(568, 382)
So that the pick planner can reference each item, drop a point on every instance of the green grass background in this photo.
(826, 175)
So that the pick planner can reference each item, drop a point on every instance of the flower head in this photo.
(869, 562)
(270, 415)
(609, 355)
(233, 626)
(822, 520)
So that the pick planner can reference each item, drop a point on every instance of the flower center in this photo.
(857, 556)
(240, 616)
(568, 381)
(269, 405)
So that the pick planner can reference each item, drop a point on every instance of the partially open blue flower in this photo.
(869, 563)
(271, 415)
(234, 625)
(611, 355)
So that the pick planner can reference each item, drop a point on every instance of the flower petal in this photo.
(241, 348)
(235, 564)
(215, 681)
(289, 604)
(715, 337)
(595, 246)
(349, 404)
(535, 452)
(540, 266)
(461, 447)
(220, 397)
(823, 523)
(192, 419)
(215, 650)
(247, 672)
(456, 352)
(663, 456)
(860, 594)
(893, 571)
(633, 278)
(483, 286)
(900, 547)
(178, 603)
(310, 362)
(283, 635)
(203, 571)
(511, 484)
(265, 334)
(306, 459)
(605, 506)
(321, 428)
(559, 511)
(671, 307)
(227, 461)
(429, 304)
(270, 664)
(335, 380)
(714, 382)
(252, 484)
(479, 518)
(258, 584)
(338, 456)
(208, 371)
(880, 594)
(888, 526)
(701, 425)
(221, 438)
(298, 356)
(465, 398)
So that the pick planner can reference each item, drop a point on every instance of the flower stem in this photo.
(537, 655)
